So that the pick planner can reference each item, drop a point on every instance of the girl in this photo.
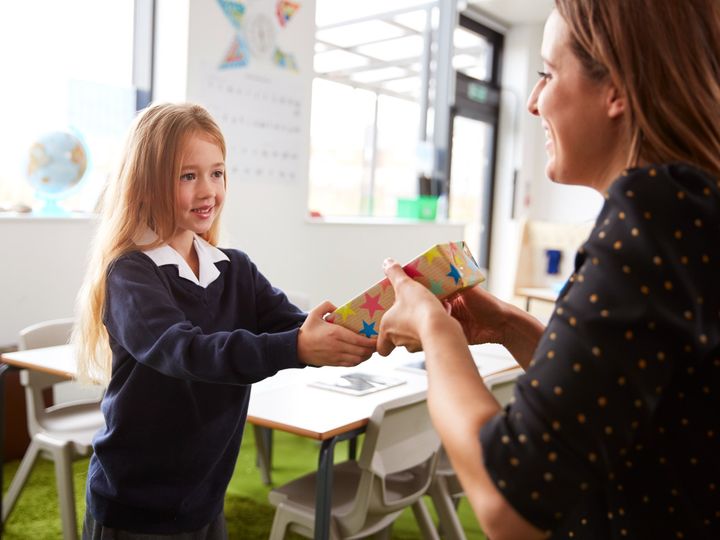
(181, 329)
(614, 430)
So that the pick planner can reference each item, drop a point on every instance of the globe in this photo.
(57, 163)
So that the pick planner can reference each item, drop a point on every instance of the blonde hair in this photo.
(665, 56)
(139, 196)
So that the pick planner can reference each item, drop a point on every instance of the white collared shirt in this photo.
(207, 254)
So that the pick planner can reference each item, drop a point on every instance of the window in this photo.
(66, 66)
(370, 111)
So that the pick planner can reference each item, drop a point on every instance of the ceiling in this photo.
(511, 12)
(381, 49)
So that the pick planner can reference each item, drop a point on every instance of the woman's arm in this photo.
(486, 319)
(459, 402)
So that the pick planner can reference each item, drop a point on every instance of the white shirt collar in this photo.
(207, 254)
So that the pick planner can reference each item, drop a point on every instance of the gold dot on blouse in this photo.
(634, 231)
(630, 193)
(608, 430)
(551, 354)
(601, 234)
(642, 363)
(617, 244)
(558, 391)
(629, 335)
(661, 356)
(621, 381)
(595, 261)
(602, 401)
(703, 339)
(534, 383)
(577, 367)
(592, 457)
(559, 311)
(647, 215)
(626, 269)
(684, 259)
(705, 258)
(552, 336)
(572, 321)
(698, 222)
(596, 351)
(688, 315)
(706, 191)
(678, 234)
(514, 461)
(621, 215)
(534, 495)
(593, 298)
(581, 418)
(657, 260)
(556, 425)
(668, 285)
(681, 195)
(552, 456)
(652, 172)
(645, 289)
(546, 437)
(505, 439)
(604, 313)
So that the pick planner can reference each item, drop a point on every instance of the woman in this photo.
(614, 429)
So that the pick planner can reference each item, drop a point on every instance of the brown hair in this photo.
(664, 55)
(140, 196)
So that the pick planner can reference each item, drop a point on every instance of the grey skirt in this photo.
(92, 530)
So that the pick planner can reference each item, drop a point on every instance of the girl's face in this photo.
(201, 185)
(582, 118)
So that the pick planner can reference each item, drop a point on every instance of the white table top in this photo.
(286, 401)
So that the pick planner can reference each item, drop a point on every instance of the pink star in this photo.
(372, 304)
(411, 269)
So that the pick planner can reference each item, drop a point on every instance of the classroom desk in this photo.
(287, 402)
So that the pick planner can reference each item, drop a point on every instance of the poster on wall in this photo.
(254, 73)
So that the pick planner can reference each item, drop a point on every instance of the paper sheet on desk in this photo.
(358, 383)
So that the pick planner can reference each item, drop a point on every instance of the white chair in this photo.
(395, 468)
(445, 490)
(264, 435)
(61, 433)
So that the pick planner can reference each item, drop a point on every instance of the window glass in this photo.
(66, 66)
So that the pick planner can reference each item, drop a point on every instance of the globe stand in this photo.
(50, 207)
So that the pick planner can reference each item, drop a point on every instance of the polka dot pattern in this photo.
(614, 431)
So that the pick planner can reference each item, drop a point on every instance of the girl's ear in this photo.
(615, 102)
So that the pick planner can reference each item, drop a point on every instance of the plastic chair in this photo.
(394, 471)
(264, 435)
(61, 433)
(445, 490)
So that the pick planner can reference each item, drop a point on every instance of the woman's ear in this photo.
(615, 102)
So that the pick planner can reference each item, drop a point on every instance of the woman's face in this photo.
(582, 118)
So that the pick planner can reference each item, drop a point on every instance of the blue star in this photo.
(368, 330)
(453, 273)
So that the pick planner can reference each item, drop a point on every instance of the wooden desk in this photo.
(56, 360)
(286, 402)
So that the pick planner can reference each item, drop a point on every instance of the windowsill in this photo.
(378, 221)
(25, 216)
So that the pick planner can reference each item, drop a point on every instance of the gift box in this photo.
(445, 269)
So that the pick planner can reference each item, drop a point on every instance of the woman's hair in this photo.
(664, 55)
(140, 196)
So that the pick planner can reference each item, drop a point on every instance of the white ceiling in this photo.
(515, 11)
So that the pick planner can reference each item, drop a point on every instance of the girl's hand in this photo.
(480, 314)
(321, 343)
(414, 307)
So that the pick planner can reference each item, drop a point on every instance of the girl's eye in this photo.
(544, 75)
(187, 177)
(219, 174)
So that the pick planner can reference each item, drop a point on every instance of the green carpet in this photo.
(249, 515)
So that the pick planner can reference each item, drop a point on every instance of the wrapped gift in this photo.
(445, 269)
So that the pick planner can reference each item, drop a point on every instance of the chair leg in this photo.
(62, 456)
(424, 521)
(449, 522)
(18, 481)
(263, 447)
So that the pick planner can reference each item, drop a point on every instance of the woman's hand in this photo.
(414, 307)
(321, 343)
(480, 314)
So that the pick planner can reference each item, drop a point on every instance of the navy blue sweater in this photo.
(183, 359)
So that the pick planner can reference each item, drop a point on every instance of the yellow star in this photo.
(431, 253)
(345, 311)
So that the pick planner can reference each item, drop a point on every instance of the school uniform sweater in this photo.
(183, 359)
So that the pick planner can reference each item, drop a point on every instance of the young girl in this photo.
(181, 329)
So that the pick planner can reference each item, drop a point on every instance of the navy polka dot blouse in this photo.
(614, 431)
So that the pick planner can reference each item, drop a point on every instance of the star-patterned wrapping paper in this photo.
(445, 269)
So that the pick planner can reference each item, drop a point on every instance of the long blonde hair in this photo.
(139, 196)
(665, 56)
